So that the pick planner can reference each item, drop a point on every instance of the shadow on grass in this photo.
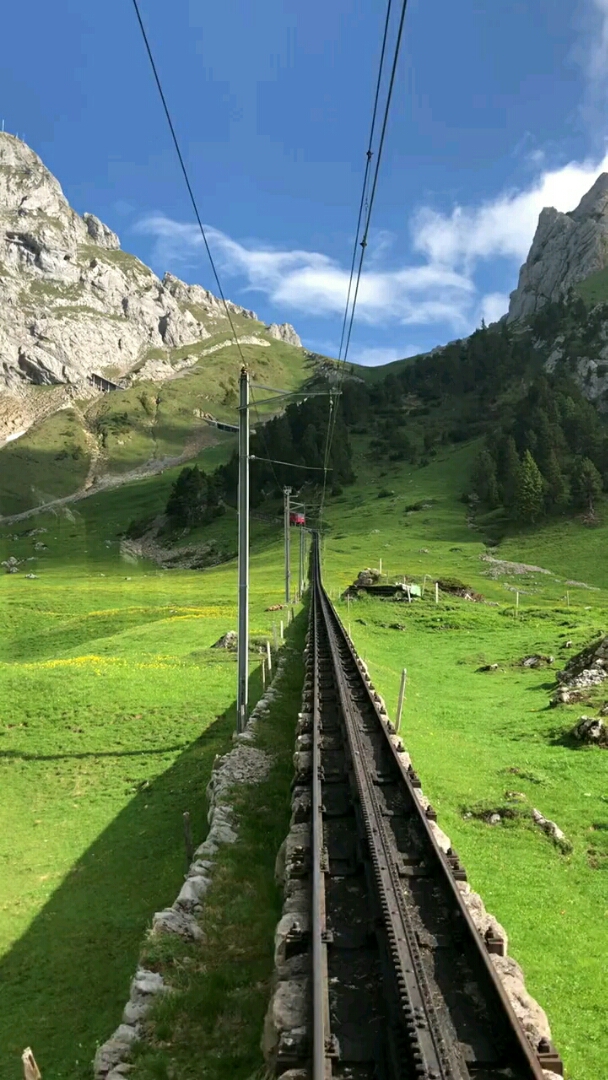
(565, 737)
(19, 755)
(64, 983)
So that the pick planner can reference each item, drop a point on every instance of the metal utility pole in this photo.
(301, 581)
(243, 598)
(286, 511)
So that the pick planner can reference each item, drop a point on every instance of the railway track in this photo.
(402, 984)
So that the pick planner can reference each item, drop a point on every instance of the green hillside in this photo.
(115, 703)
(154, 421)
(109, 655)
(594, 289)
(376, 374)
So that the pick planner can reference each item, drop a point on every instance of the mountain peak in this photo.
(71, 302)
(594, 202)
(566, 249)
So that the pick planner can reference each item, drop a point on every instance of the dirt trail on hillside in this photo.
(112, 480)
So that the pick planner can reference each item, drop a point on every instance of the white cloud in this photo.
(375, 356)
(503, 226)
(492, 306)
(311, 282)
(439, 290)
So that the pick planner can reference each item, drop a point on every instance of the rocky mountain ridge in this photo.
(72, 302)
(566, 249)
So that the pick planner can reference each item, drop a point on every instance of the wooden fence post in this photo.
(30, 1068)
(401, 699)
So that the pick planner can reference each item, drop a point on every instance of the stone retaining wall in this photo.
(245, 764)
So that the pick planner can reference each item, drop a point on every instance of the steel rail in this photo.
(431, 1054)
(320, 1034)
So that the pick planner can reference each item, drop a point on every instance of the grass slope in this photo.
(117, 668)
(475, 736)
(113, 709)
(150, 421)
(594, 289)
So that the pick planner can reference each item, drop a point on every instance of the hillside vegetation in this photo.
(155, 422)
(116, 648)
(114, 704)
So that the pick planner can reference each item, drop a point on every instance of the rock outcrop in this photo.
(565, 250)
(71, 302)
(284, 332)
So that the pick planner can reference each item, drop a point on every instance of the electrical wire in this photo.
(367, 204)
(290, 464)
(368, 156)
(185, 174)
(260, 424)
(363, 205)
(377, 169)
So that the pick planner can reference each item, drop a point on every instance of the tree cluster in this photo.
(549, 454)
(289, 449)
(298, 439)
(194, 499)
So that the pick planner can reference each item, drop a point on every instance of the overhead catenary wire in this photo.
(260, 424)
(372, 196)
(290, 464)
(367, 204)
(186, 176)
(368, 159)
(363, 205)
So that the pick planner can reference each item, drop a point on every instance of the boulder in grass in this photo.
(536, 660)
(229, 640)
(591, 730)
(369, 576)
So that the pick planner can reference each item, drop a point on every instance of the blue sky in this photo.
(499, 110)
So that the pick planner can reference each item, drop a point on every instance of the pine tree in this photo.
(556, 486)
(586, 484)
(529, 492)
(485, 484)
(189, 497)
(508, 471)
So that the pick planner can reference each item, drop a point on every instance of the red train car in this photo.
(297, 518)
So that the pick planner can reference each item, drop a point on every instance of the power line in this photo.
(291, 464)
(366, 204)
(368, 156)
(377, 169)
(261, 426)
(185, 173)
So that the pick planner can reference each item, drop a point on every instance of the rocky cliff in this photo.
(73, 303)
(566, 249)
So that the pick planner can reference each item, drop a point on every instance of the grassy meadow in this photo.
(489, 740)
(113, 707)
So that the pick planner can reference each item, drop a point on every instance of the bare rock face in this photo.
(73, 303)
(284, 332)
(565, 250)
(100, 233)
